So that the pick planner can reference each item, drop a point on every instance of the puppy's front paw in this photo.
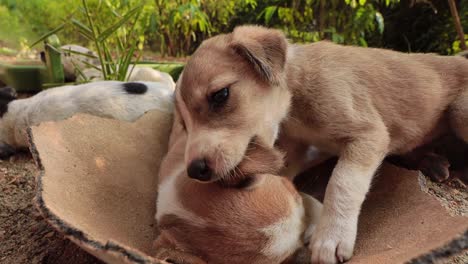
(436, 167)
(333, 241)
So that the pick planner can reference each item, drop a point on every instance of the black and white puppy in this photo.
(125, 101)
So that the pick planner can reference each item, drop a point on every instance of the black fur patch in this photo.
(9, 90)
(247, 182)
(6, 151)
(5, 98)
(135, 88)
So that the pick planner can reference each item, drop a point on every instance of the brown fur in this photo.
(358, 103)
(233, 217)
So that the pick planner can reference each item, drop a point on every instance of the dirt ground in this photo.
(25, 237)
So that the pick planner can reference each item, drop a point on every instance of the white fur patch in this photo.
(169, 204)
(285, 235)
(105, 99)
(276, 130)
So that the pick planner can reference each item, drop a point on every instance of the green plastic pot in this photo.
(25, 77)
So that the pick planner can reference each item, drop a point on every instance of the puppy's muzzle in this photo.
(199, 170)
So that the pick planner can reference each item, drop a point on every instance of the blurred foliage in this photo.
(342, 21)
(423, 26)
(115, 38)
(177, 27)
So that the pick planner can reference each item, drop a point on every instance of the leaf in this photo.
(94, 30)
(78, 53)
(110, 66)
(380, 22)
(335, 37)
(52, 48)
(123, 67)
(269, 12)
(80, 72)
(84, 30)
(48, 34)
(90, 65)
(362, 42)
(134, 65)
(362, 2)
(112, 29)
(82, 26)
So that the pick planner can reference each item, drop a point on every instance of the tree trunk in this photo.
(458, 26)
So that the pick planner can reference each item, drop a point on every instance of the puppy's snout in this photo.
(199, 170)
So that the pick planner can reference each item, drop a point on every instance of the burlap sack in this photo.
(98, 187)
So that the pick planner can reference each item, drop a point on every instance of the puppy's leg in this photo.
(459, 116)
(295, 158)
(434, 166)
(334, 237)
(313, 210)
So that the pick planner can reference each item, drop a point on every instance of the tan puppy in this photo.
(260, 218)
(358, 103)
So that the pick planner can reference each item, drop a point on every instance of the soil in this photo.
(25, 237)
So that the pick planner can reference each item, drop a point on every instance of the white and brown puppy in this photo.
(360, 104)
(119, 100)
(254, 217)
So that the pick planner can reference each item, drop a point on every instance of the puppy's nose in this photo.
(199, 170)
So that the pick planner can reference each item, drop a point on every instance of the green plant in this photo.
(342, 21)
(10, 23)
(177, 27)
(117, 46)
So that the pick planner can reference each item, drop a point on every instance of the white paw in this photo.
(333, 241)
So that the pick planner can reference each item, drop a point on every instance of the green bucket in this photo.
(25, 77)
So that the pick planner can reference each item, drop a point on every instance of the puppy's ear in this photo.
(264, 48)
(178, 129)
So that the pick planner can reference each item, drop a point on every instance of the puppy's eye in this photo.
(219, 98)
